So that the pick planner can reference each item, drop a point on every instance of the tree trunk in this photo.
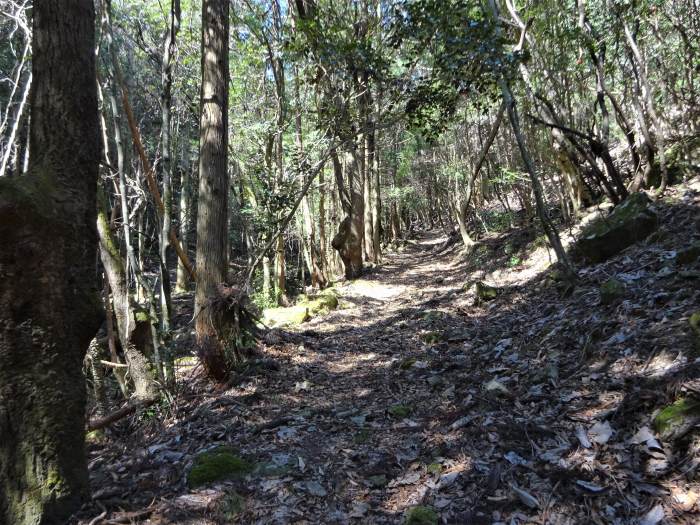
(350, 237)
(183, 279)
(133, 325)
(49, 301)
(166, 99)
(212, 209)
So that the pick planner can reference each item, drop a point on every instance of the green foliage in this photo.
(456, 47)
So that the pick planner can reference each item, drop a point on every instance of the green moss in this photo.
(485, 292)
(676, 415)
(188, 360)
(400, 410)
(361, 437)
(434, 468)
(54, 481)
(292, 316)
(94, 436)
(694, 322)
(631, 207)
(421, 516)
(407, 363)
(431, 338)
(141, 315)
(217, 464)
(611, 290)
(323, 303)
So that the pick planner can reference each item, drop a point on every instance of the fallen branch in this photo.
(97, 424)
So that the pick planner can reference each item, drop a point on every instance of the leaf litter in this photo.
(536, 407)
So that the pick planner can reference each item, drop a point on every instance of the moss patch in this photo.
(322, 303)
(694, 322)
(677, 415)
(400, 411)
(434, 468)
(292, 316)
(421, 516)
(431, 338)
(611, 290)
(217, 464)
(485, 292)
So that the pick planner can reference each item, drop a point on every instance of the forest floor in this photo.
(535, 407)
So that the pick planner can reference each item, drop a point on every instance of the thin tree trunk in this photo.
(167, 164)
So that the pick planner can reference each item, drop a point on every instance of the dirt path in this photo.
(522, 410)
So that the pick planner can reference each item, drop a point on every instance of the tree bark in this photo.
(166, 100)
(49, 301)
(350, 237)
(212, 209)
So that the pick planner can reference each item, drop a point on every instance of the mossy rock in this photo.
(323, 303)
(675, 419)
(421, 516)
(291, 316)
(630, 222)
(217, 464)
(611, 290)
(485, 292)
(400, 411)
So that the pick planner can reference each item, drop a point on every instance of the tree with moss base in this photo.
(49, 303)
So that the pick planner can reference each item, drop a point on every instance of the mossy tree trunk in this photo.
(133, 325)
(49, 301)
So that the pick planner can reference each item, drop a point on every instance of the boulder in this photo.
(629, 222)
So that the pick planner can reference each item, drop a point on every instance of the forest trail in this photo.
(531, 408)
